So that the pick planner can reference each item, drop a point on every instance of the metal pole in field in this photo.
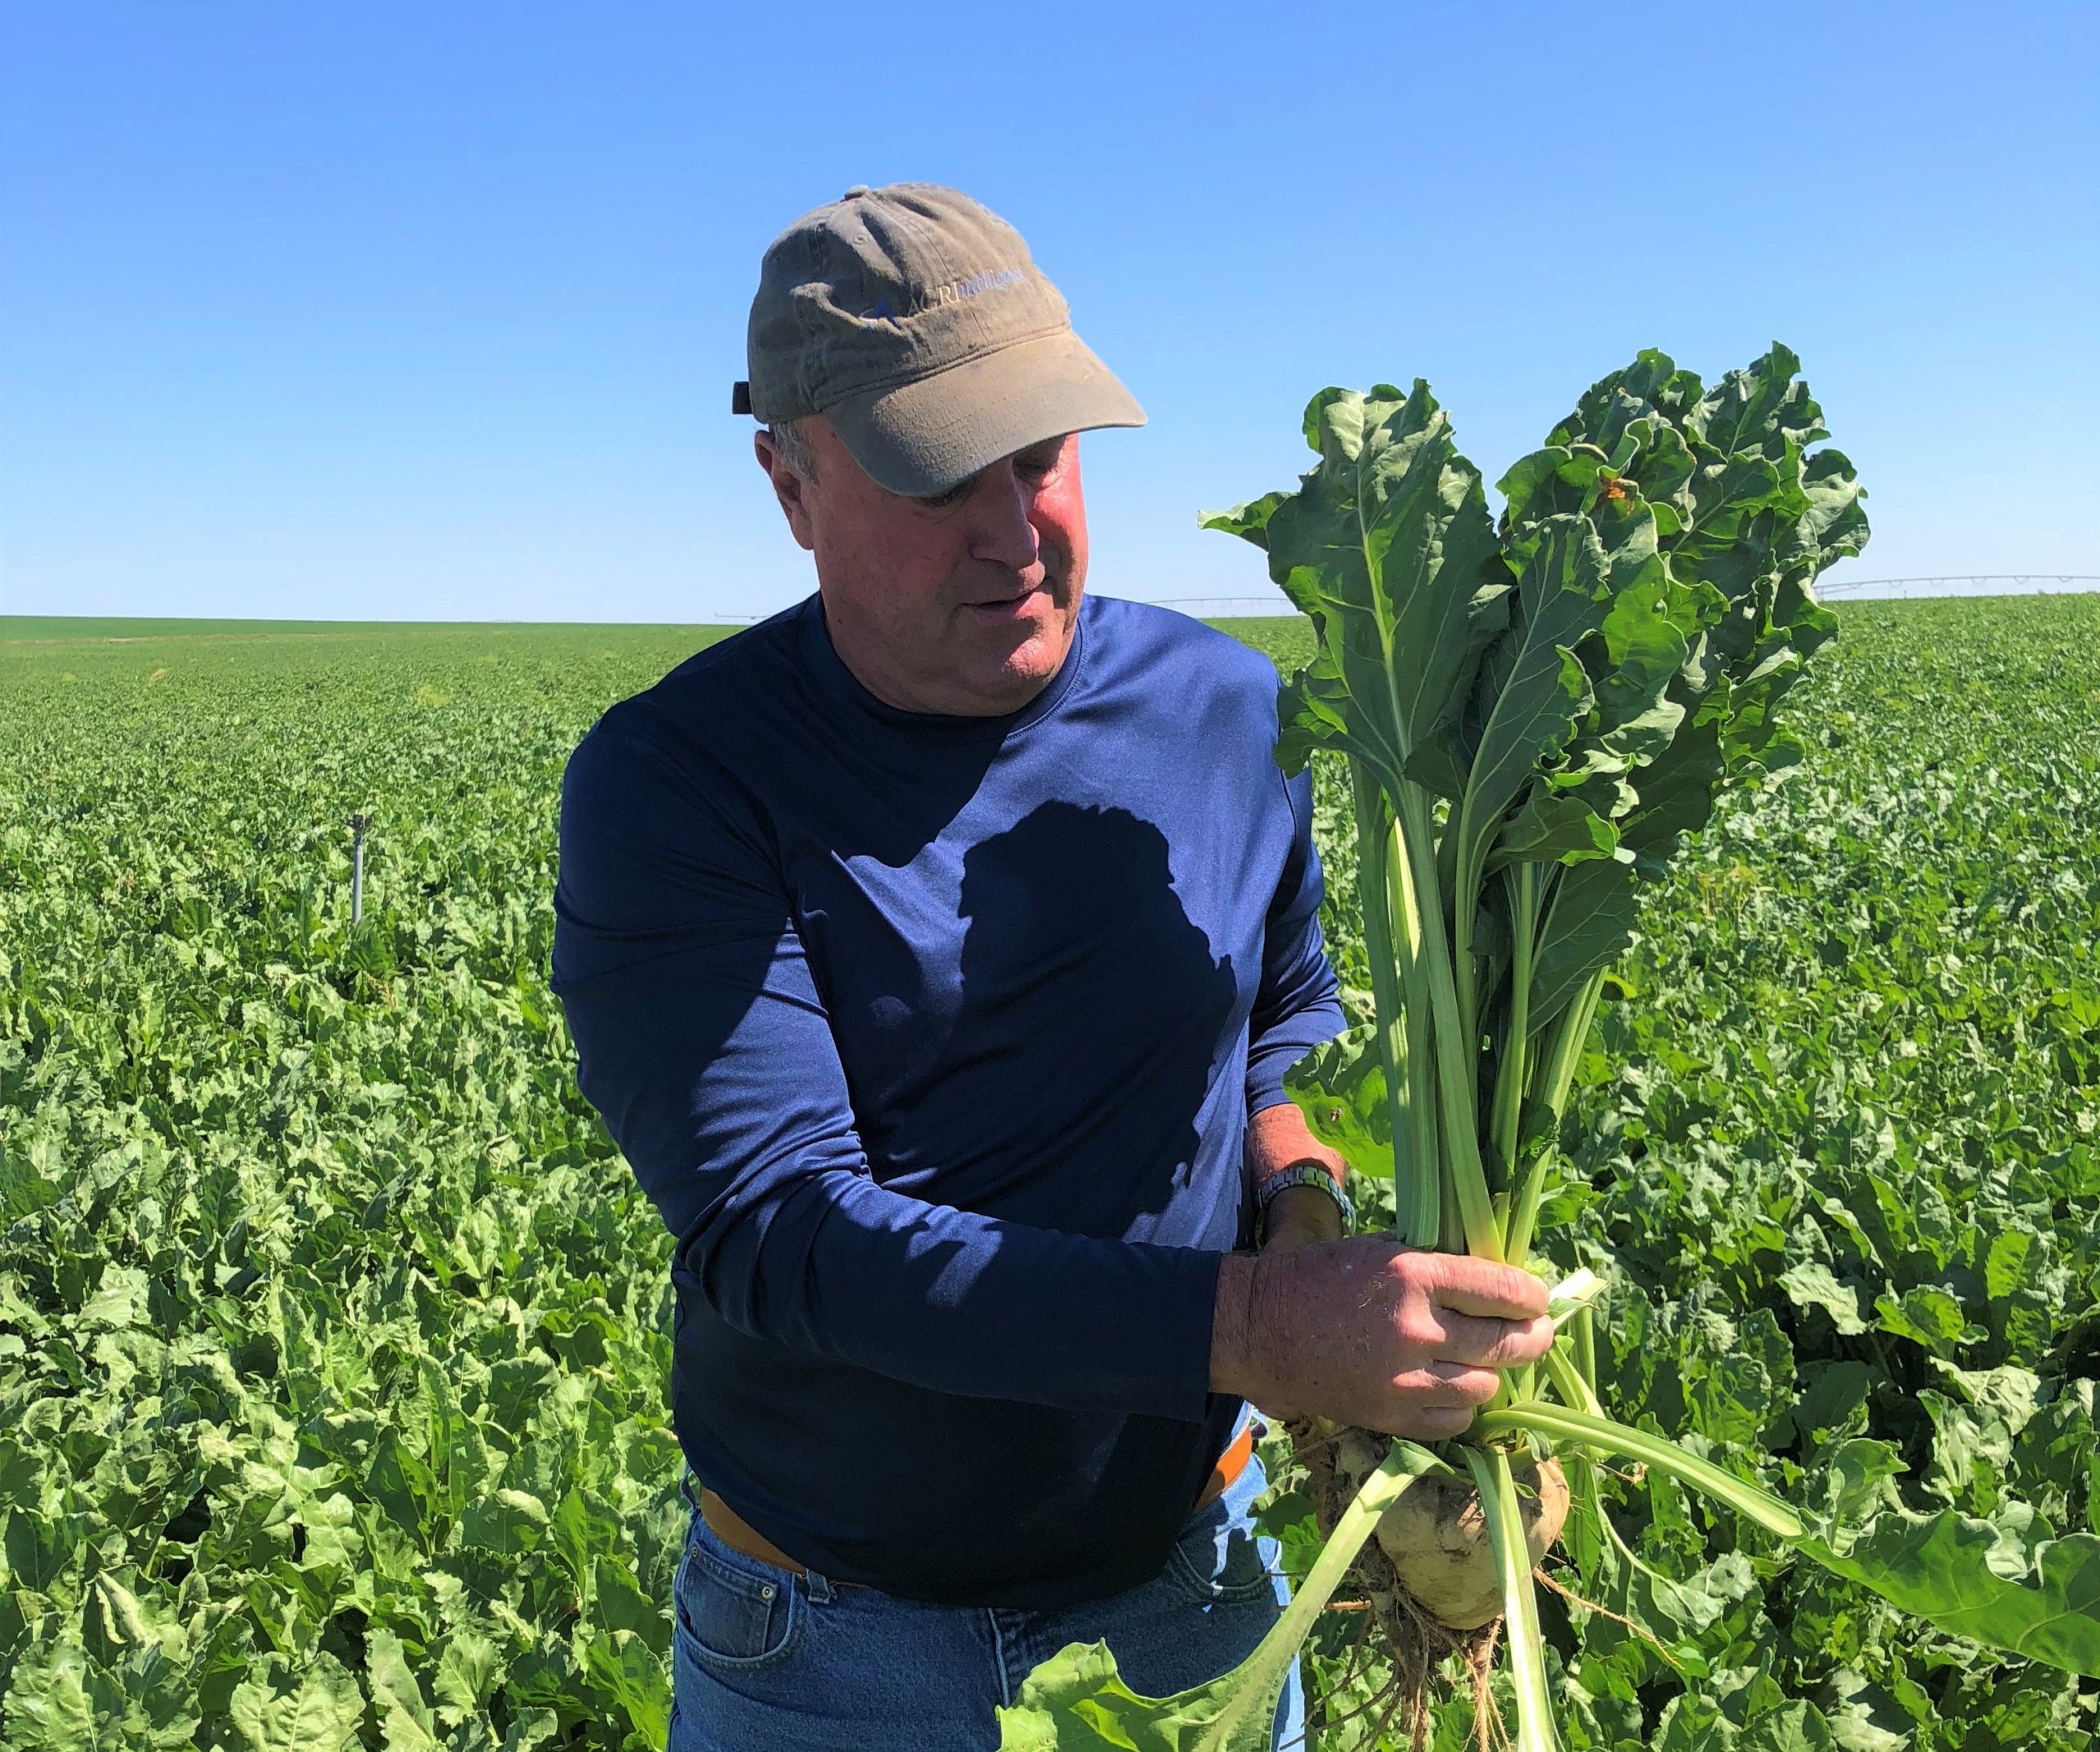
(357, 825)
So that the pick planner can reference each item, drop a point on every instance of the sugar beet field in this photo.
(333, 1334)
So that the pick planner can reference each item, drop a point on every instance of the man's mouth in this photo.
(1005, 608)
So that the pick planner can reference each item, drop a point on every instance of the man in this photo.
(935, 951)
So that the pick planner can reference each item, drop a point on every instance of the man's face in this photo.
(963, 604)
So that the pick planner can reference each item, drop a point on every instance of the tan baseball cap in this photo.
(915, 321)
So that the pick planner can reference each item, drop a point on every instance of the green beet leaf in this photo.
(1077, 1699)
(1077, 1702)
(1977, 1580)
(282, 1710)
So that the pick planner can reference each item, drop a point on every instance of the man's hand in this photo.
(1365, 1331)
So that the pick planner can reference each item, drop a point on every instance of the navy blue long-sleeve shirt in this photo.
(934, 1042)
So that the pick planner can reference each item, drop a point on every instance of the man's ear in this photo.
(788, 488)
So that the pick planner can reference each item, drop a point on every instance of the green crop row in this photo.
(332, 1331)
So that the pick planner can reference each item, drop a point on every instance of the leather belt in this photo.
(741, 1537)
(1230, 1464)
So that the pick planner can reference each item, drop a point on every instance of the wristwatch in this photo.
(1301, 1174)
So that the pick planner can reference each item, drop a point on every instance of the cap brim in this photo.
(925, 437)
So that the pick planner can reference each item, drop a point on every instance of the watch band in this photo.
(1303, 1174)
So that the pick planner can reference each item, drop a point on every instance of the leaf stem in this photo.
(1373, 848)
(1524, 1214)
(1521, 883)
(1536, 1417)
(1568, 1383)
(1262, 1675)
(1401, 902)
(1456, 1053)
(1505, 1516)
(1571, 1031)
(1557, 1074)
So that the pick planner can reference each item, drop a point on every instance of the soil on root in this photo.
(1420, 1641)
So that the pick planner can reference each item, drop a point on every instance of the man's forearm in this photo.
(1277, 1139)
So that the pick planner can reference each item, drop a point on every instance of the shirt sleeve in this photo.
(1298, 1006)
(703, 1041)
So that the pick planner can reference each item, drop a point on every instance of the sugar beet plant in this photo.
(1535, 711)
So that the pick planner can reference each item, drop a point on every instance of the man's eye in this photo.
(1034, 470)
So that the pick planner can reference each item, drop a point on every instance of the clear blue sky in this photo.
(431, 310)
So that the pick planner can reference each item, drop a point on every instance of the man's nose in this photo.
(1006, 530)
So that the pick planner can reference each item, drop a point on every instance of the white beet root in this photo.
(1436, 1537)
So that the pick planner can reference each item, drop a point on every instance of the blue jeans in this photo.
(766, 1661)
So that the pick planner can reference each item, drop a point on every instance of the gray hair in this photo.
(791, 445)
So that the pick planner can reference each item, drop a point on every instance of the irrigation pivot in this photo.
(1964, 584)
(358, 824)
